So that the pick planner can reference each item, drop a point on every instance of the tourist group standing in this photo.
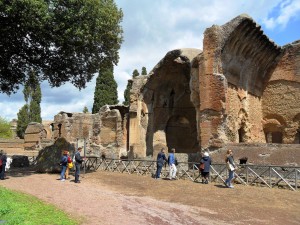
(66, 164)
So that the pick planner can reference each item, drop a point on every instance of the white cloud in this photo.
(288, 10)
(151, 29)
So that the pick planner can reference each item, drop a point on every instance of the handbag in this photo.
(201, 166)
(230, 167)
(70, 165)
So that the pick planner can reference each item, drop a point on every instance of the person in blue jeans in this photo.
(160, 161)
(78, 162)
(64, 164)
(231, 167)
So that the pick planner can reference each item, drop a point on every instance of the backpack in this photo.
(69, 159)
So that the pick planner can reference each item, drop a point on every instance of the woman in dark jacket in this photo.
(205, 163)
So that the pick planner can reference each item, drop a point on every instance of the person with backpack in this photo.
(160, 161)
(205, 163)
(78, 162)
(3, 160)
(172, 164)
(64, 164)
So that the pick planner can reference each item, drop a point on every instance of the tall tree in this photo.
(127, 93)
(63, 41)
(31, 111)
(23, 121)
(144, 71)
(106, 92)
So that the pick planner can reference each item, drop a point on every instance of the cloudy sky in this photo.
(154, 27)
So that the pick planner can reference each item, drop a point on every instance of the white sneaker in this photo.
(62, 179)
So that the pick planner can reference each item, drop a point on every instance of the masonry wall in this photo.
(281, 98)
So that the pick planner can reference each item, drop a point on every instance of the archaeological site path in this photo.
(113, 198)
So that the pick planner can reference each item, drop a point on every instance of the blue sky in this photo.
(154, 27)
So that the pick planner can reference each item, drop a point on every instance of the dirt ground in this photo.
(114, 198)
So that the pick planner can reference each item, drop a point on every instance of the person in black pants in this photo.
(161, 159)
(78, 162)
(3, 158)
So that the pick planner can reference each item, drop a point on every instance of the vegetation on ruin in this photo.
(18, 208)
(31, 111)
(135, 73)
(63, 41)
(5, 131)
(106, 89)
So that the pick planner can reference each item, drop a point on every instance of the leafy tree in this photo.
(31, 111)
(106, 89)
(63, 41)
(144, 71)
(85, 110)
(5, 131)
(135, 73)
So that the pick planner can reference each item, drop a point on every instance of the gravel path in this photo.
(111, 198)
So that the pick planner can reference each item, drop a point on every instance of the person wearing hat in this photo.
(64, 164)
(205, 168)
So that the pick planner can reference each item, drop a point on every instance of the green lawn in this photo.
(17, 208)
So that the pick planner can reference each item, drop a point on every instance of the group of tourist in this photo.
(204, 166)
(67, 163)
(172, 161)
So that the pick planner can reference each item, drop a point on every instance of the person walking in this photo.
(78, 162)
(231, 167)
(172, 166)
(160, 161)
(64, 164)
(205, 162)
(3, 160)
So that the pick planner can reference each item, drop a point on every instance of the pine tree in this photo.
(144, 71)
(106, 89)
(85, 110)
(31, 111)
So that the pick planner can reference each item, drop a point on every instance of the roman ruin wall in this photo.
(281, 99)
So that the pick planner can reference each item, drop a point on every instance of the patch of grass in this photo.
(17, 208)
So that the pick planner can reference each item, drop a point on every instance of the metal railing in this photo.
(258, 175)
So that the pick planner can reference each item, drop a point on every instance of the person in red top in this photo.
(68, 168)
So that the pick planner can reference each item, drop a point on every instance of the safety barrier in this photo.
(258, 175)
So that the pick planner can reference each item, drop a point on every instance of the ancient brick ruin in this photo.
(241, 89)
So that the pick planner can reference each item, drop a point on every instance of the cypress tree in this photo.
(31, 111)
(127, 93)
(23, 121)
(106, 92)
